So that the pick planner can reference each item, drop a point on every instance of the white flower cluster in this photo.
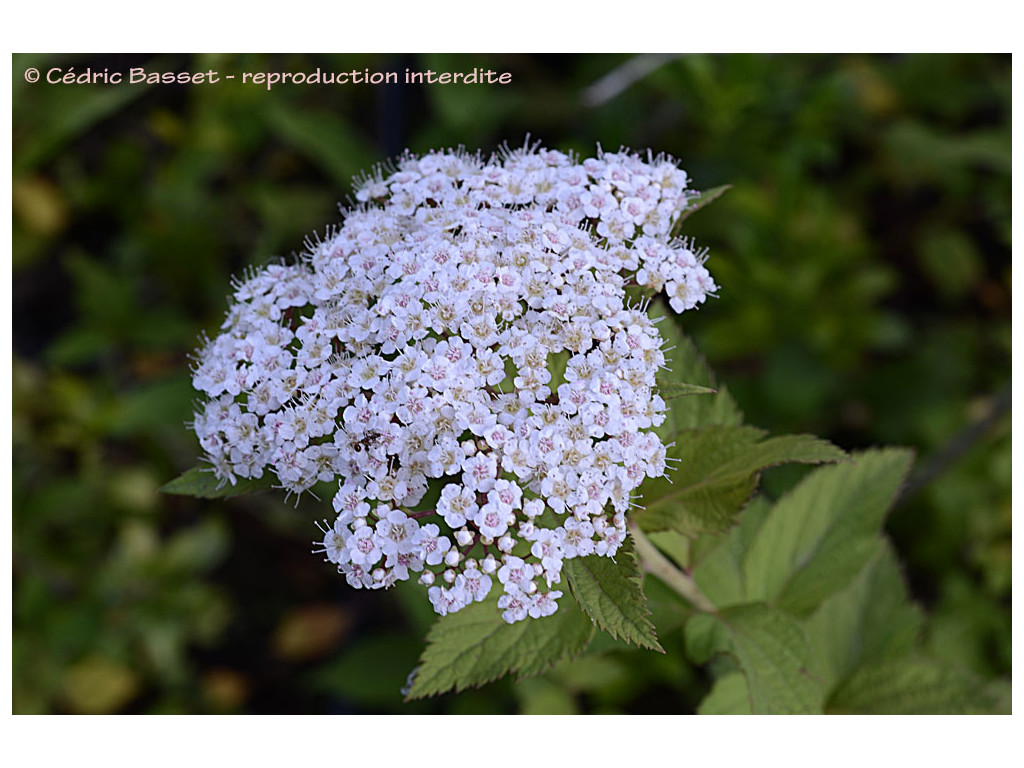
(461, 358)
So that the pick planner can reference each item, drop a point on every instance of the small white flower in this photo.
(478, 585)
(516, 575)
(363, 548)
(491, 520)
(515, 607)
(543, 604)
(432, 547)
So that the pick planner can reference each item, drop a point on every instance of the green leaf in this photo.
(609, 592)
(703, 200)
(820, 535)
(869, 621)
(202, 484)
(717, 561)
(686, 367)
(670, 390)
(917, 686)
(771, 650)
(729, 696)
(717, 474)
(475, 646)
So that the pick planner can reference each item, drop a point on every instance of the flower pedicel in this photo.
(408, 357)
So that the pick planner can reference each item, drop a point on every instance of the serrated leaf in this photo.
(609, 592)
(670, 390)
(729, 696)
(820, 535)
(705, 199)
(771, 650)
(718, 472)
(202, 484)
(685, 365)
(869, 621)
(916, 686)
(475, 646)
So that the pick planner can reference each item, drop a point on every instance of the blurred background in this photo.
(864, 259)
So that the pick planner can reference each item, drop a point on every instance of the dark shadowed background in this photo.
(864, 259)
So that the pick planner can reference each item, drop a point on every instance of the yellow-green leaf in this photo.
(869, 621)
(820, 535)
(729, 696)
(771, 650)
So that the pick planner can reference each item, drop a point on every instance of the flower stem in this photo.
(655, 563)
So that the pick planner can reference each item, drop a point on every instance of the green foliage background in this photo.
(864, 258)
